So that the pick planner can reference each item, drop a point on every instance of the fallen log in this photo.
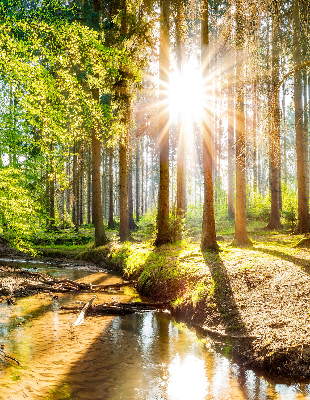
(117, 308)
(69, 285)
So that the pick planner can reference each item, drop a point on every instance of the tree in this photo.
(241, 236)
(181, 155)
(208, 234)
(164, 65)
(275, 162)
(301, 151)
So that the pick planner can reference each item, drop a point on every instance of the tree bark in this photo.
(306, 120)
(124, 96)
(132, 224)
(284, 164)
(111, 217)
(163, 235)
(208, 233)
(100, 235)
(303, 205)
(137, 181)
(241, 236)
(89, 187)
(181, 157)
(275, 147)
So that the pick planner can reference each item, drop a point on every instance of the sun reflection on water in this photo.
(187, 378)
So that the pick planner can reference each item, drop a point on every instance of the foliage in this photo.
(18, 215)
(194, 218)
(258, 206)
(289, 205)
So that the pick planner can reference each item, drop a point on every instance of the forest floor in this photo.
(253, 300)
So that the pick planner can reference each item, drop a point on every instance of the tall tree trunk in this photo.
(68, 191)
(89, 187)
(132, 224)
(152, 179)
(303, 205)
(275, 148)
(146, 174)
(181, 155)
(142, 175)
(111, 217)
(241, 236)
(306, 120)
(163, 234)
(137, 181)
(75, 188)
(100, 235)
(52, 225)
(255, 125)
(81, 194)
(208, 233)
(123, 179)
(284, 164)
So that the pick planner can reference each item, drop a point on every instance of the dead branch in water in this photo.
(67, 285)
(6, 357)
(117, 308)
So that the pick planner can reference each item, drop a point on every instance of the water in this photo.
(145, 356)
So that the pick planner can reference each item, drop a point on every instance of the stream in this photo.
(147, 356)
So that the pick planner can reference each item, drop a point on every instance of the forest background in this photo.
(170, 116)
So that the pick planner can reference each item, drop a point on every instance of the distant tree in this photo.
(301, 151)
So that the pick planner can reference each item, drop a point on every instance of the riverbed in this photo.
(140, 356)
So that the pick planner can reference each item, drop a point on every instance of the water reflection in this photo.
(187, 378)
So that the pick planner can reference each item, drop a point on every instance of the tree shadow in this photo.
(300, 262)
(225, 311)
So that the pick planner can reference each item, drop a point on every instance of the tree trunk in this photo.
(89, 187)
(152, 179)
(137, 181)
(142, 175)
(303, 205)
(275, 148)
(52, 223)
(163, 235)
(284, 164)
(181, 157)
(146, 174)
(208, 233)
(132, 224)
(74, 177)
(306, 110)
(111, 217)
(241, 236)
(68, 191)
(100, 235)
(124, 96)
(255, 125)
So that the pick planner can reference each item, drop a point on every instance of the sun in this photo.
(185, 93)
